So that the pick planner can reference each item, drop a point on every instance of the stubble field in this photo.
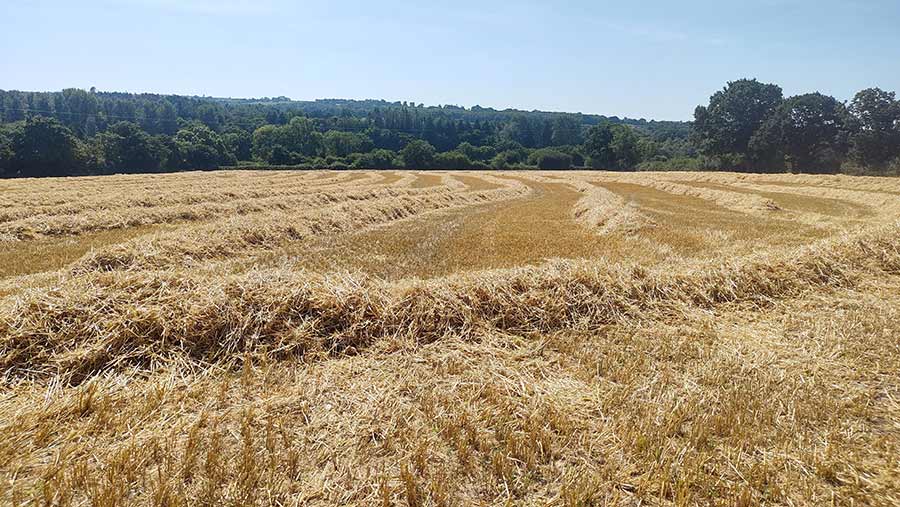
(450, 338)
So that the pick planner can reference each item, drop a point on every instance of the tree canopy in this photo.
(747, 125)
(875, 134)
(725, 127)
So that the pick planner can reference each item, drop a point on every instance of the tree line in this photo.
(751, 126)
(746, 126)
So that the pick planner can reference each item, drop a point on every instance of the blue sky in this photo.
(653, 59)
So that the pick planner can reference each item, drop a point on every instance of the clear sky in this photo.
(653, 58)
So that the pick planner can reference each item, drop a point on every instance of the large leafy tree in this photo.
(566, 130)
(6, 151)
(300, 136)
(286, 144)
(377, 159)
(610, 146)
(198, 147)
(265, 143)
(238, 141)
(125, 146)
(625, 147)
(549, 158)
(44, 147)
(875, 116)
(481, 153)
(519, 130)
(452, 160)
(597, 146)
(341, 144)
(808, 132)
(418, 154)
(724, 128)
(81, 107)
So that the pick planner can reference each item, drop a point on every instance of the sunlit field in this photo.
(450, 338)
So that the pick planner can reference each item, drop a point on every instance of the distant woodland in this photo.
(746, 126)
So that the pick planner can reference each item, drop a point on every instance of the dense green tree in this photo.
(480, 132)
(300, 136)
(6, 151)
(453, 160)
(210, 115)
(239, 142)
(509, 154)
(597, 146)
(418, 155)
(481, 153)
(625, 148)
(377, 159)
(743, 126)
(724, 127)
(576, 152)
(341, 144)
(549, 158)
(566, 130)
(610, 146)
(519, 130)
(266, 142)
(44, 147)
(385, 139)
(82, 108)
(198, 147)
(507, 159)
(125, 146)
(875, 118)
(807, 132)
(285, 144)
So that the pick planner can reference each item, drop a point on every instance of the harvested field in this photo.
(450, 338)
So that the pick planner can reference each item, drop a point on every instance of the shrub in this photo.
(508, 159)
(548, 158)
(378, 159)
(452, 160)
(480, 153)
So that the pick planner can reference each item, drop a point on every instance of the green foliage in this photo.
(44, 147)
(746, 126)
(341, 144)
(377, 159)
(418, 154)
(509, 159)
(300, 136)
(453, 160)
(565, 130)
(875, 117)
(287, 144)
(613, 147)
(549, 158)
(266, 145)
(239, 142)
(6, 151)
(724, 127)
(126, 146)
(576, 152)
(284, 132)
(198, 147)
(624, 146)
(597, 146)
(520, 130)
(807, 132)
(481, 153)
